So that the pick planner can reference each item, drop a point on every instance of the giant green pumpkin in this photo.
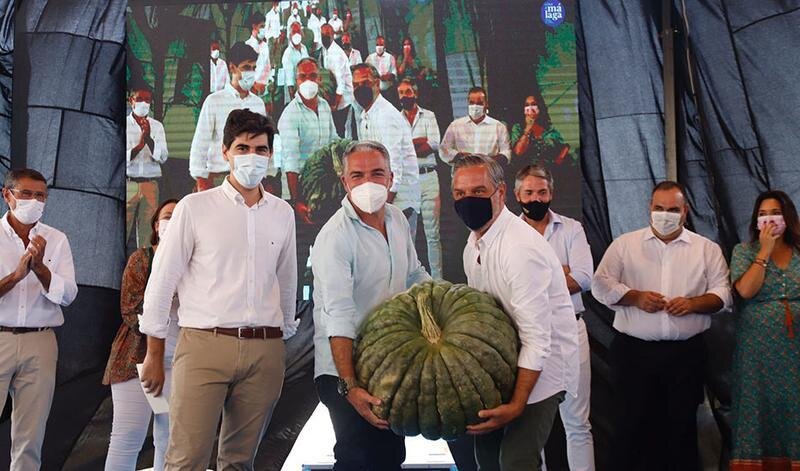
(435, 355)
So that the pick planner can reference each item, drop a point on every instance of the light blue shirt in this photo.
(356, 269)
(303, 132)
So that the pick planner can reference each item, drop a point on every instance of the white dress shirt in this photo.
(205, 155)
(356, 269)
(355, 57)
(489, 137)
(272, 25)
(425, 125)
(303, 132)
(566, 237)
(219, 75)
(384, 124)
(386, 64)
(293, 19)
(338, 26)
(335, 59)
(519, 268)
(263, 65)
(231, 265)
(315, 25)
(291, 56)
(147, 163)
(689, 266)
(28, 304)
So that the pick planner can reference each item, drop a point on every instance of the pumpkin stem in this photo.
(430, 330)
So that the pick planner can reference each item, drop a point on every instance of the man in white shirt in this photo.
(291, 56)
(206, 162)
(507, 259)
(337, 24)
(354, 273)
(272, 21)
(534, 193)
(353, 54)
(218, 68)
(145, 151)
(258, 41)
(381, 122)
(294, 17)
(386, 66)
(663, 281)
(425, 137)
(333, 58)
(230, 256)
(477, 133)
(315, 22)
(38, 278)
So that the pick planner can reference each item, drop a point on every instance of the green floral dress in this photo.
(766, 395)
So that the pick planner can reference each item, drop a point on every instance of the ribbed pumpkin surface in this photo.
(436, 355)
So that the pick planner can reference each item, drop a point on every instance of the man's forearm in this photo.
(526, 380)
(155, 348)
(572, 285)
(293, 181)
(707, 304)
(342, 350)
(44, 276)
(7, 284)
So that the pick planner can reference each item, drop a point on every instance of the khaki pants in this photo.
(142, 201)
(28, 374)
(213, 374)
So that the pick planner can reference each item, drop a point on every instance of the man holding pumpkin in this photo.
(363, 256)
(509, 260)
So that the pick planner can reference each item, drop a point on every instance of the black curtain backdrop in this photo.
(738, 100)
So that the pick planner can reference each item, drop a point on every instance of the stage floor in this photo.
(313, 449)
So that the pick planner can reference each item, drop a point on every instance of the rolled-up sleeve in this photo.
(169, 265)
(530, 305)
(432, 130)
(503, 141)
(333, 278)
(580, 259)
(63, 288)
(160, 152)
(606, 285)
(718, 276)
(447, 147)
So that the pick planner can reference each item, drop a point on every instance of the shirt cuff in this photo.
(530, 359)
(56, 291)
(340, 328)
(724, 295)
(290, 328)
(198, 174)
(616, 293)
(157, 330)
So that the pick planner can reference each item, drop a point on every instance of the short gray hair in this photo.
(363, 65)
(475, 160)
(534, 171)
(368, 146)
(303, 61)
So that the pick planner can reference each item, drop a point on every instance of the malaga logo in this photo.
(552, 13)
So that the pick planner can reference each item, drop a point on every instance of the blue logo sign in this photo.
(553, 13)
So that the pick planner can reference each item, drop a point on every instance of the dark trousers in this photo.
(359, 445)
(340, 119)
(659, 386)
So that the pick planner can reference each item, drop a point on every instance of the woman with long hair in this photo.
(131, 410)
(766, 400)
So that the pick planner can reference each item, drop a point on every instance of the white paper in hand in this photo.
(159, 403)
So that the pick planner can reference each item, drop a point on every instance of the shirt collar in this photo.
(229, 89)
(496, 228)
(486, 120)
(683, 237)
(230, 192)
(350, 211)
(10, 230)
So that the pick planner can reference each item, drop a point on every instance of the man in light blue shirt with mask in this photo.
(362, 256)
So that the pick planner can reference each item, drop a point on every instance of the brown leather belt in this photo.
(248, 332)
(424, 170)
(22, 330)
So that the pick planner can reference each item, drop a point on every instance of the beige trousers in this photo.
(28, 374)
(216, 374)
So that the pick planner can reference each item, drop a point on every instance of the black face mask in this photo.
(363, 95)
(326, 41)
(408, 102)
(475, 211)
(535, 210)
(347, 46)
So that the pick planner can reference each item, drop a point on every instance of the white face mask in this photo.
(369, 197)
(476, 111)
(294, 11)
(665, 223)
(308, 89)
(335, 16)
(296, 38)
(141, 108)
(261, 33)
(28, 211)
(162, 228)
(531, 110)
(215, 54)
(250, 169)
(247, 80)
(380, 49)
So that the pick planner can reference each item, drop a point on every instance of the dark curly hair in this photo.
(792, 234)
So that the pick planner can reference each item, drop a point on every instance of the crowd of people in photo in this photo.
(208, 297)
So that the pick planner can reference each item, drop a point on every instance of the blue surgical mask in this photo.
(250, 169)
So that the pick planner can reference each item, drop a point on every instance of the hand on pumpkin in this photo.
(362, 402)
(496, 418)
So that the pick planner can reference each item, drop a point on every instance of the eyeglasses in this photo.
(29, 195)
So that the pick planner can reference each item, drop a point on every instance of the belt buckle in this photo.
(239, 332)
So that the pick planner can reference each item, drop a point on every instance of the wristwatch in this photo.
(345, 386)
